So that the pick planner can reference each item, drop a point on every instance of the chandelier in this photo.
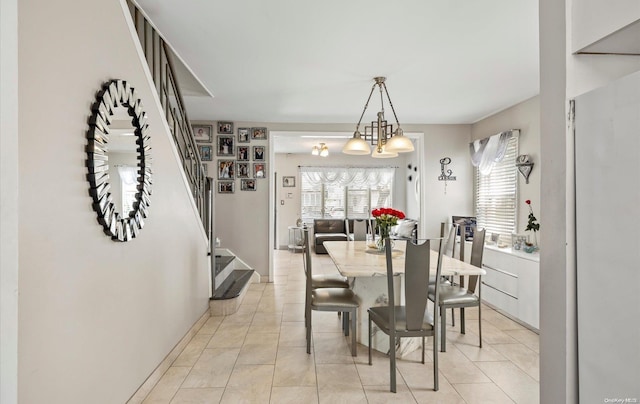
(387, 142)
(322, 150)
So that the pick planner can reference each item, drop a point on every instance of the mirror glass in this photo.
(123, 162)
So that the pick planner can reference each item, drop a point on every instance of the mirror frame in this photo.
(115, 93)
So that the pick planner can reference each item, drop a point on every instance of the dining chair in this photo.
(457, 296)
(359, 230)
(413, 319)
(341, 300)
(449, 250)
(334, 280)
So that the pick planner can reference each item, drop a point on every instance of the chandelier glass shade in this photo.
(387, 142)
(321, 150)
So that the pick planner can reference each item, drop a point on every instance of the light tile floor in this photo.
(258, 355)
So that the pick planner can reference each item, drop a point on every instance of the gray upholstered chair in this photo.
(414, 319)
(457, 296)
(341, 300)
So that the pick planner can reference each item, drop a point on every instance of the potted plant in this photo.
(534, 226)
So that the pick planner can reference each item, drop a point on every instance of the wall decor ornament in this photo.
(114, 96)
(525, 165)
(445, 173)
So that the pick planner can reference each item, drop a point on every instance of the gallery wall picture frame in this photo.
(242, 170)
(202, 133)
(205, 153)
(226, 169)
(289, 182)
(226, 146)
(248, 185)
(243, 153)
(226, 187)
(259, 133)
(259, 170)
(225, 127)
(258, 153)
(244, 135)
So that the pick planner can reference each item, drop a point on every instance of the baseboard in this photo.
(148, 385)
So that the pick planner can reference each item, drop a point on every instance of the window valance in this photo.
(348, 176)
(488, 151)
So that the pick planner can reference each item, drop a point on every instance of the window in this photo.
(496, 195)
(344, 192)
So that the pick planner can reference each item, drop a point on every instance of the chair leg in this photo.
(480, 324)
(453, 317)
(309, 333)
(443, 331)
(423, 350)
(462, 329)
(392, 362)
(345, 323)
(370, 332)
(354, 324)
(435, 362)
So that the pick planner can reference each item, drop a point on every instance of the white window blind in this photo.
(496, 195)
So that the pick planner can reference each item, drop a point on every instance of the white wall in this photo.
(8, 201)
(526, 117)
(437, 205)
(95, 316)
(563, 76)
(595, 19)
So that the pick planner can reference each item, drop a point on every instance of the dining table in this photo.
(366, 269)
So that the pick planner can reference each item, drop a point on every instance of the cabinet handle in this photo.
(501, 271)
(499, 290)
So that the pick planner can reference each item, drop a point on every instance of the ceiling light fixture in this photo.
(321, 150)
(388, 143)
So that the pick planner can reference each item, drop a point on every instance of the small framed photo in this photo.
(225, 128)
(242, 170)
(259, 133)
(225, 146)
(248, 185)
(202, 133)
(205, 153)
(244, 135)
(226, 169)
(258, 153)
(226, 187)
(243, 153)
(259, 170)
(288, 181)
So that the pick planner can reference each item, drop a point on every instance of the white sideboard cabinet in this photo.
(512, 283)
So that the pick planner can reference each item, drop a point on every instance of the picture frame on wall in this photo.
(202, 133)
(225, 128)
(248, 185)
(289, 182)
(243, 153)
(205, 153)
(258, 153)
(242, 170)
(226, 187)
(244, 135)
(225, 146)
(226, 169)
(259, 133)
(259, 170)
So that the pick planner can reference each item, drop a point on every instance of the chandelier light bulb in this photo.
(315, 151)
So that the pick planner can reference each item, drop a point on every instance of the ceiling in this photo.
(288, 61)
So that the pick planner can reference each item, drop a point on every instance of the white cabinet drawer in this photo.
(499, 299)
(502, 281)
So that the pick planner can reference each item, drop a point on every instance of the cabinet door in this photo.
(529, 292)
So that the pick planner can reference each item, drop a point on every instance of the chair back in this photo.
(416, 272)
(477, 251)
(359, 230)
(450, 244)
(306, 259)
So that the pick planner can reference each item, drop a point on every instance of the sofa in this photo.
(328, 230)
